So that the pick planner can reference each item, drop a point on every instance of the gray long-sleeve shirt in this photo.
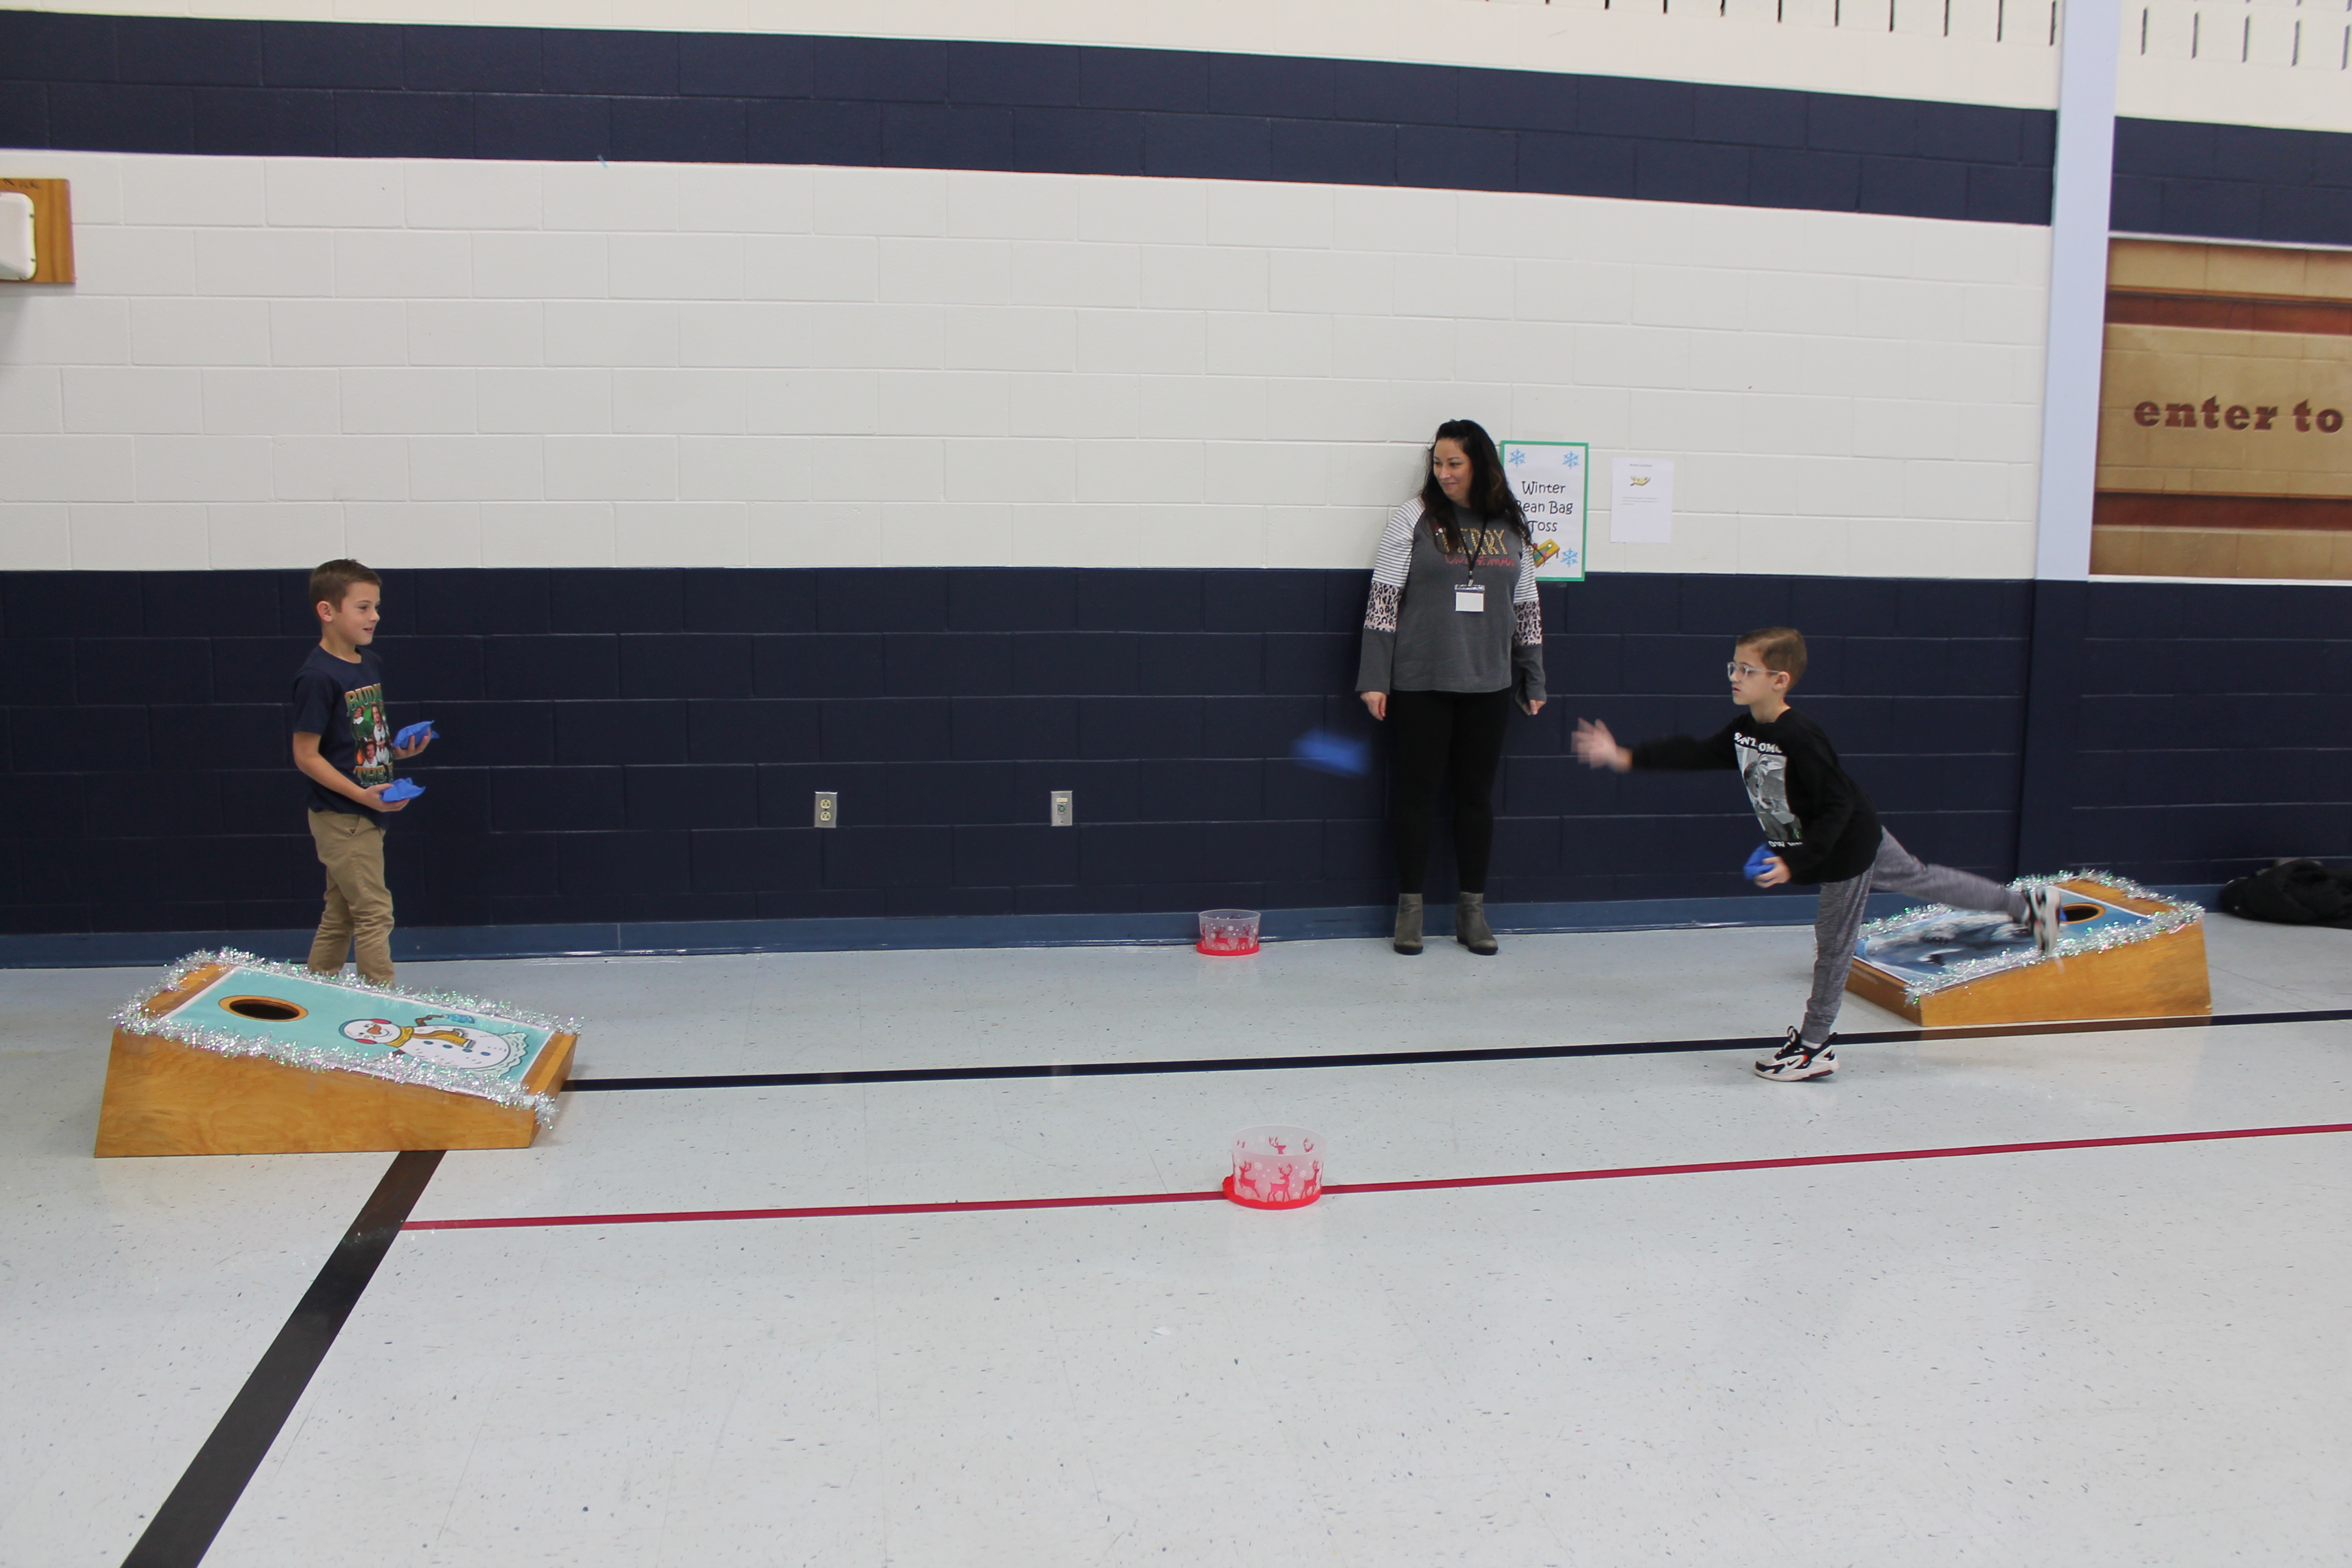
(1415, 640)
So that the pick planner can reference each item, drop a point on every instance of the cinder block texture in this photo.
(246, 89)
(642, 744)
(372, 90)
(1269, 357)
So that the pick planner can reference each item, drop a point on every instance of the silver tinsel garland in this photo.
(2172, 917)
(135, 1017)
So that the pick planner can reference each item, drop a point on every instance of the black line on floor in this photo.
(182, 1531)
(1424, 1058)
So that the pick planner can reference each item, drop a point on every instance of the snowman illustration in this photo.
(442, 1040)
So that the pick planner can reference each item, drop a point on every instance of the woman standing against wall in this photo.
(1453, 635)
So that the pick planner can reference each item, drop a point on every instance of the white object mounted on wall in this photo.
(36, 232)
(16, 258)
(1642, 500)
(1553, 481)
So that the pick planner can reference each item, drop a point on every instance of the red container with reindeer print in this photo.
(1276, 1168)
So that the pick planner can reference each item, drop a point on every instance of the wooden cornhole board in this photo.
(2158, 976)
(166, 1097)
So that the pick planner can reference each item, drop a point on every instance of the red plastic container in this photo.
(1276, 1168)
(1228, 933)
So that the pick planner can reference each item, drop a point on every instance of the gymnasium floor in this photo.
(2125, 1353)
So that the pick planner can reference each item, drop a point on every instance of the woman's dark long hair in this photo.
(1490, 493)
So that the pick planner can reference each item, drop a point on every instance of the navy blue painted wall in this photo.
(359, 90)
(161, 84)
(644, 744)
(2232, 182)
(2215, 729)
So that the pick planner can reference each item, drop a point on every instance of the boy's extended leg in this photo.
(1844, 904)
(1897, 870)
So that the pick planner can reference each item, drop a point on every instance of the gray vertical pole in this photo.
(2082, 179)
(2090, 39)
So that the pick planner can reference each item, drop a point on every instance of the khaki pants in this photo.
(359, 905)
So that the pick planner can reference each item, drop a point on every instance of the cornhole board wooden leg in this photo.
(165, 1098)
(2162, 977)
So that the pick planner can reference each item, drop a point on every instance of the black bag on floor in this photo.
(2293, 892)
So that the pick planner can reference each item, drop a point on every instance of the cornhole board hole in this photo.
(233, 1055)
(2123, 952)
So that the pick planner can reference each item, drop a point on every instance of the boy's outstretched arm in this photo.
(1597, 748)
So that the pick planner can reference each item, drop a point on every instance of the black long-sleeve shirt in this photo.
(1815, 815)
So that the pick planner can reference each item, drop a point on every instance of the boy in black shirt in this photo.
(1820, 828)
(343, 746)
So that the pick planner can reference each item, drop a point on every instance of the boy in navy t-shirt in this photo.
(342, 745)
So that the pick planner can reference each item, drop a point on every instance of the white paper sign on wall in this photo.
(1642, 500)
(1553, 483)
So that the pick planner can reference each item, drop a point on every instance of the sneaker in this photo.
(1796, 1059)
(2042, 913)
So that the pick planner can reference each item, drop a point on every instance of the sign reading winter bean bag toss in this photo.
(1551, 479)
(233, 1054)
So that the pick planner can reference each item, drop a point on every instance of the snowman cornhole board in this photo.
(2123, 952)
(234, 1055)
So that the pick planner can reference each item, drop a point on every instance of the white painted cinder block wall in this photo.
(267, 361)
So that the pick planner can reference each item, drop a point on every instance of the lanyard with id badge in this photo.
(1469, 597)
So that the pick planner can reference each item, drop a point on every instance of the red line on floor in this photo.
(1614, 1173)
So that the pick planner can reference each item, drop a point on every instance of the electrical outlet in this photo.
(1066, 810)
(828, 808)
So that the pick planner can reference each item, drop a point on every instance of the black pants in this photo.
(1446, 738)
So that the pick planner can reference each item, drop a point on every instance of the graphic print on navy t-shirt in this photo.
(370, 740)
(1765, 771)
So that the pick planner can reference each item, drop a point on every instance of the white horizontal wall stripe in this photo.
(985, 369)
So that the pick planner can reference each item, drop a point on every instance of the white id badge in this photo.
(1470, 601)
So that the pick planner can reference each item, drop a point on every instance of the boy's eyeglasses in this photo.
(1734, 669)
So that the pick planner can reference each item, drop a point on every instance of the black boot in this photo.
(1470, 927)
(1408, 926)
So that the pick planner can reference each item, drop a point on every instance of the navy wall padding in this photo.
(2232, 182)
(2215, 727)
(643, 745)
(161, 84)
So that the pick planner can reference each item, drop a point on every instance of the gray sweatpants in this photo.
(1839, 920)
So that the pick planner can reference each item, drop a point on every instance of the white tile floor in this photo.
(2113, 1355)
